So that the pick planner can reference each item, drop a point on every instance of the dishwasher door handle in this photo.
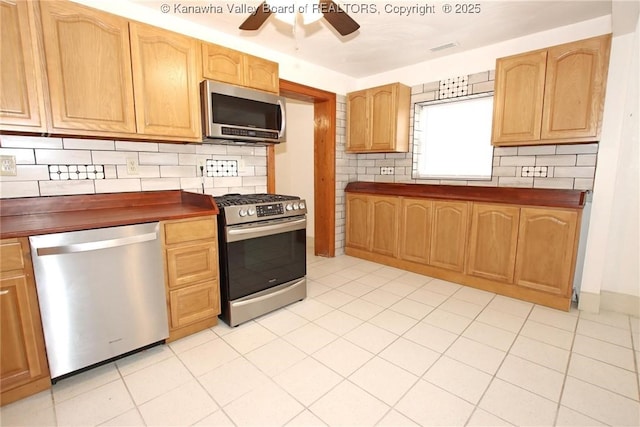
(96, 245)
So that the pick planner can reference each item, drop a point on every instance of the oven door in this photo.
(264, 254)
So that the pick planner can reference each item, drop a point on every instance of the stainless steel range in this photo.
(263, 261)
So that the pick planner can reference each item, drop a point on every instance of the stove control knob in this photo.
(296, 206)
(242, 212)
(302, 205)
(251, 211)
(289, 207)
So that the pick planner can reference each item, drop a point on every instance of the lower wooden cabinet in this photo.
(384, 225)
(546, 249)
(415, 230)
(193, 303)
(492, 241)
(519, 251)
(358, 234)
(449, 234)
(192, 276)
(373, 223)
(23, 361)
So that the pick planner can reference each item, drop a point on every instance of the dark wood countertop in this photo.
(43, 215)
(516, 196)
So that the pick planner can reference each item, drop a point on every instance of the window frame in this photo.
(418, 144)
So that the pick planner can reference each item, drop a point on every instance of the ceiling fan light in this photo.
(311, 17)
(289, 18)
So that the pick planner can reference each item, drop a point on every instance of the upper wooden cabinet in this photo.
(21, 96)
(23, 362)
(230, 66)
(546, 249)
(378, 119)
(492, 241)
(165, 76)
(574, 89)
(88, 69)
(104, 76)
(551, 96)
(518, 97)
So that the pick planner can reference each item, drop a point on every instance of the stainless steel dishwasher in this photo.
(101, 293)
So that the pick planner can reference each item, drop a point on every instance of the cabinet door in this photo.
(22, 353)
(21, 96)
(261, 74)
(546, 249)
(415, 226)
(358, 229)
(193, 303)
(384, 230)
(165, 76)
(382, 116)
(222, 64)
(88, 67)
(575, 86)
(357, 122)
(188, 264)
(492, 241)
(518, 97)
(449, 235)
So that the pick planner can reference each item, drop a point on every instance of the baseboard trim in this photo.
(609, 301)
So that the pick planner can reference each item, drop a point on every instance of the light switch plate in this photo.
(8, 167)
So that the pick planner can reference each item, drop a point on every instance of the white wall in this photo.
(613, 255)
(294, 158)
(482, 59)
(291, 68)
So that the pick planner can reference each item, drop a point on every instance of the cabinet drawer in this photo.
(11, 255)
(184, 231)
(194, 303)
(191, 263)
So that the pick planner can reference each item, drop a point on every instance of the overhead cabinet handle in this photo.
(97, 245)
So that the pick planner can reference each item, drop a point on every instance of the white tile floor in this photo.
(371, 345)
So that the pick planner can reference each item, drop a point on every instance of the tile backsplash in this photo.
(565, 166)
(63, 166)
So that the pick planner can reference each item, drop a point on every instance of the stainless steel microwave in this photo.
(232, 113)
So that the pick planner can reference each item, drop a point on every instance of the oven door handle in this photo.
(237, 234)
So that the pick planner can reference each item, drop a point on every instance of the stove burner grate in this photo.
(251, 199)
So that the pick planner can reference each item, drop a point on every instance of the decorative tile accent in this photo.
(218, 168)
(75, 172)
(454, 87)
(534, 171)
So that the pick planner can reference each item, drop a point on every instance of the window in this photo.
(452, 140)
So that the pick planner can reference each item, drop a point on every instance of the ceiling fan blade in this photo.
(338, 18)
(257, 18)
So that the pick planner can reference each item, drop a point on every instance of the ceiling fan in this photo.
(333, 13)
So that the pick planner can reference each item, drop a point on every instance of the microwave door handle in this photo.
(284, 119)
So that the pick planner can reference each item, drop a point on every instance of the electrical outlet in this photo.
(132, 166)
(201, 166)
(387, 170)
(8, 166)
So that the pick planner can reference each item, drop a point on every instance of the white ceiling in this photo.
(386, 41)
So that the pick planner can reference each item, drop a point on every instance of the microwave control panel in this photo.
(249, 132)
